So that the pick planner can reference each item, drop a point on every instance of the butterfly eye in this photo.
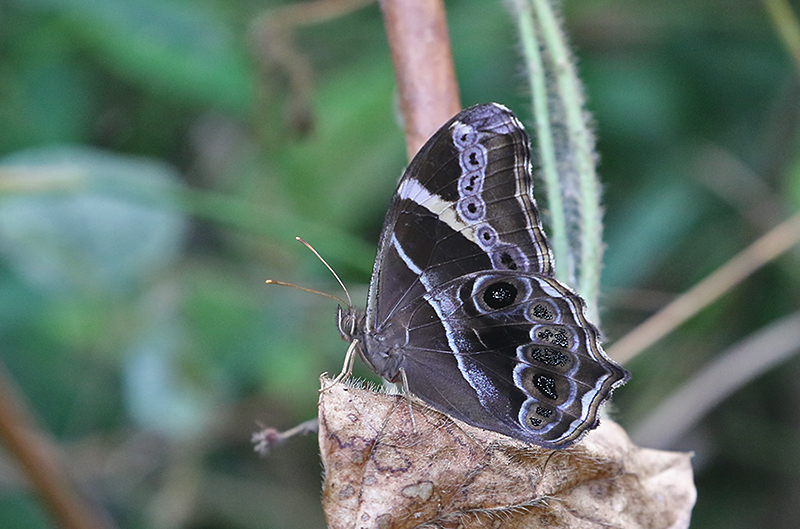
(500, 295)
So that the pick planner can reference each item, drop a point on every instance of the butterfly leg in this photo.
(347, 367)
(407, 395)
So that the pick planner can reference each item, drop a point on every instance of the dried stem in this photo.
(731, 370)
(41, 464)
(771, 245)
(786, 25)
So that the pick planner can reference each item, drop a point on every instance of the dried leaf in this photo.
(392, 462)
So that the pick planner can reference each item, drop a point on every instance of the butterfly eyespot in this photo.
(549, 357)
(508, 261)
(470, 183)
(508, 257)
(471, 208)
(553, 359)
(546, 385)
(464, 135)
(542, 310)
(487, 237)
(538, 416)
(500, 295)
(554, 335)
(473, 158)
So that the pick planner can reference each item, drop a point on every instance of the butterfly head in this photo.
(350, 322)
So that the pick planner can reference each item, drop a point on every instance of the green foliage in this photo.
(150, 182)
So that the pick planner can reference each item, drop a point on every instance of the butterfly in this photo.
(463, 307)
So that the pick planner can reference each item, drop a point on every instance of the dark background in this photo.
(153, 176)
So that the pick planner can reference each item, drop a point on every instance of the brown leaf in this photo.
(392, 462)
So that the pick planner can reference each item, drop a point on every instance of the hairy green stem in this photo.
(566, 150)
(545, 142)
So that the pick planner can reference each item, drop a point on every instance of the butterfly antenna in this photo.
(284, 284)
(341, 284)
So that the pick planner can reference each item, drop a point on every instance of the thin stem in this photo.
(39, 460)
(580, 151)
(771, 245)
(728, 372)
(786, 25)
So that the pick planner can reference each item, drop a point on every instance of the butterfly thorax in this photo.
(378, 352)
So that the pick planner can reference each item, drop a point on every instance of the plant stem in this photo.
(566, 150)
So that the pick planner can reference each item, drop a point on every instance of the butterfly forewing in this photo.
(462, 297)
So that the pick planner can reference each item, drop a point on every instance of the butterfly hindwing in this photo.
(462, 297)
(529, 354)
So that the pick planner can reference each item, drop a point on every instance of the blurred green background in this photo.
(155, 165)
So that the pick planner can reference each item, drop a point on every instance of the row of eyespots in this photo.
(472, 158)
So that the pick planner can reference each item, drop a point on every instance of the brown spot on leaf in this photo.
(421, 491)
(346, 492)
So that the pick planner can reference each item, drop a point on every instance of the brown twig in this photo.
(41, 464)
(423, 66)
(272, 38)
